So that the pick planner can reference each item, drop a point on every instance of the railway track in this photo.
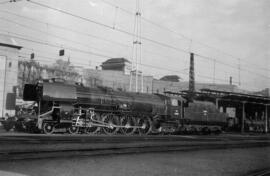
(44, 146)
(263, 172)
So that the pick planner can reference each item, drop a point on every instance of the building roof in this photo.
(7, 41)
(233, 96)
(226, 95)
(116, 60)
(115, 64)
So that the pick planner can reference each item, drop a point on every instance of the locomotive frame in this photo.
(94, 110)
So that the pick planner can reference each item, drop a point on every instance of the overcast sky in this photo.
(223, 30)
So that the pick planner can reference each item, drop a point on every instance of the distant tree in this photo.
(29, 71)
(91, 79)
(64, 69)
(172, 78)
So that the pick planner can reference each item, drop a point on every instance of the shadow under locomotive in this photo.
(75, 108)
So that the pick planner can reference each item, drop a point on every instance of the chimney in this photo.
(191, 77)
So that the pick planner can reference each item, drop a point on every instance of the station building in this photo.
(116, 73)
(246, 111)
(117, 64)
(9, 55)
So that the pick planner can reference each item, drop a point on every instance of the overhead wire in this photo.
(53, 55)
(163, 44)
(98, 54)
(85, 34)
(38, 31)
(107, 26)
(158, 68)
(177, 33)
(110, 27)
(242, 69)
(64, 28)
(53, 35)
(49, 59)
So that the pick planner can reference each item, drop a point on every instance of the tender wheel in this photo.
(145, 124)
(194, 130)
(217, 130)
(128, 122)
(48, 128)
(110, 120)
(73, 129)
(206, 131)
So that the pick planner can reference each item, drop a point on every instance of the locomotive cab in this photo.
(175, 108)
(173, 114)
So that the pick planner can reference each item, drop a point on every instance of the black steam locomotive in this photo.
(94, 110)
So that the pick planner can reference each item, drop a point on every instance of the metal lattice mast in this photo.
(136, 49)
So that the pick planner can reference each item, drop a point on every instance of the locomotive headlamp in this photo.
(123, 106)
(176, 112)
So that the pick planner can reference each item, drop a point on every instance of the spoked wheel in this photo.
(94, 129)
(110, 120)
(48, 128)
(145, 124)
(206, 131)
(193, 130)
(128, 122)
(73, 130)
(217, 130)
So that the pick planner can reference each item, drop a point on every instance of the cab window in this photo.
(174, 102)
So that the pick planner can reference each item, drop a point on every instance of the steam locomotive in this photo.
(76, 108)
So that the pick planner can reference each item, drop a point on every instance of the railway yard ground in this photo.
(81, 154)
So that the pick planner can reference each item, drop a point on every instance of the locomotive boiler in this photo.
(94, 110)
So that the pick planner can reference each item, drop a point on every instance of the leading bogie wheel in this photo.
(73, 129)
(145, 125)
(48, 128)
